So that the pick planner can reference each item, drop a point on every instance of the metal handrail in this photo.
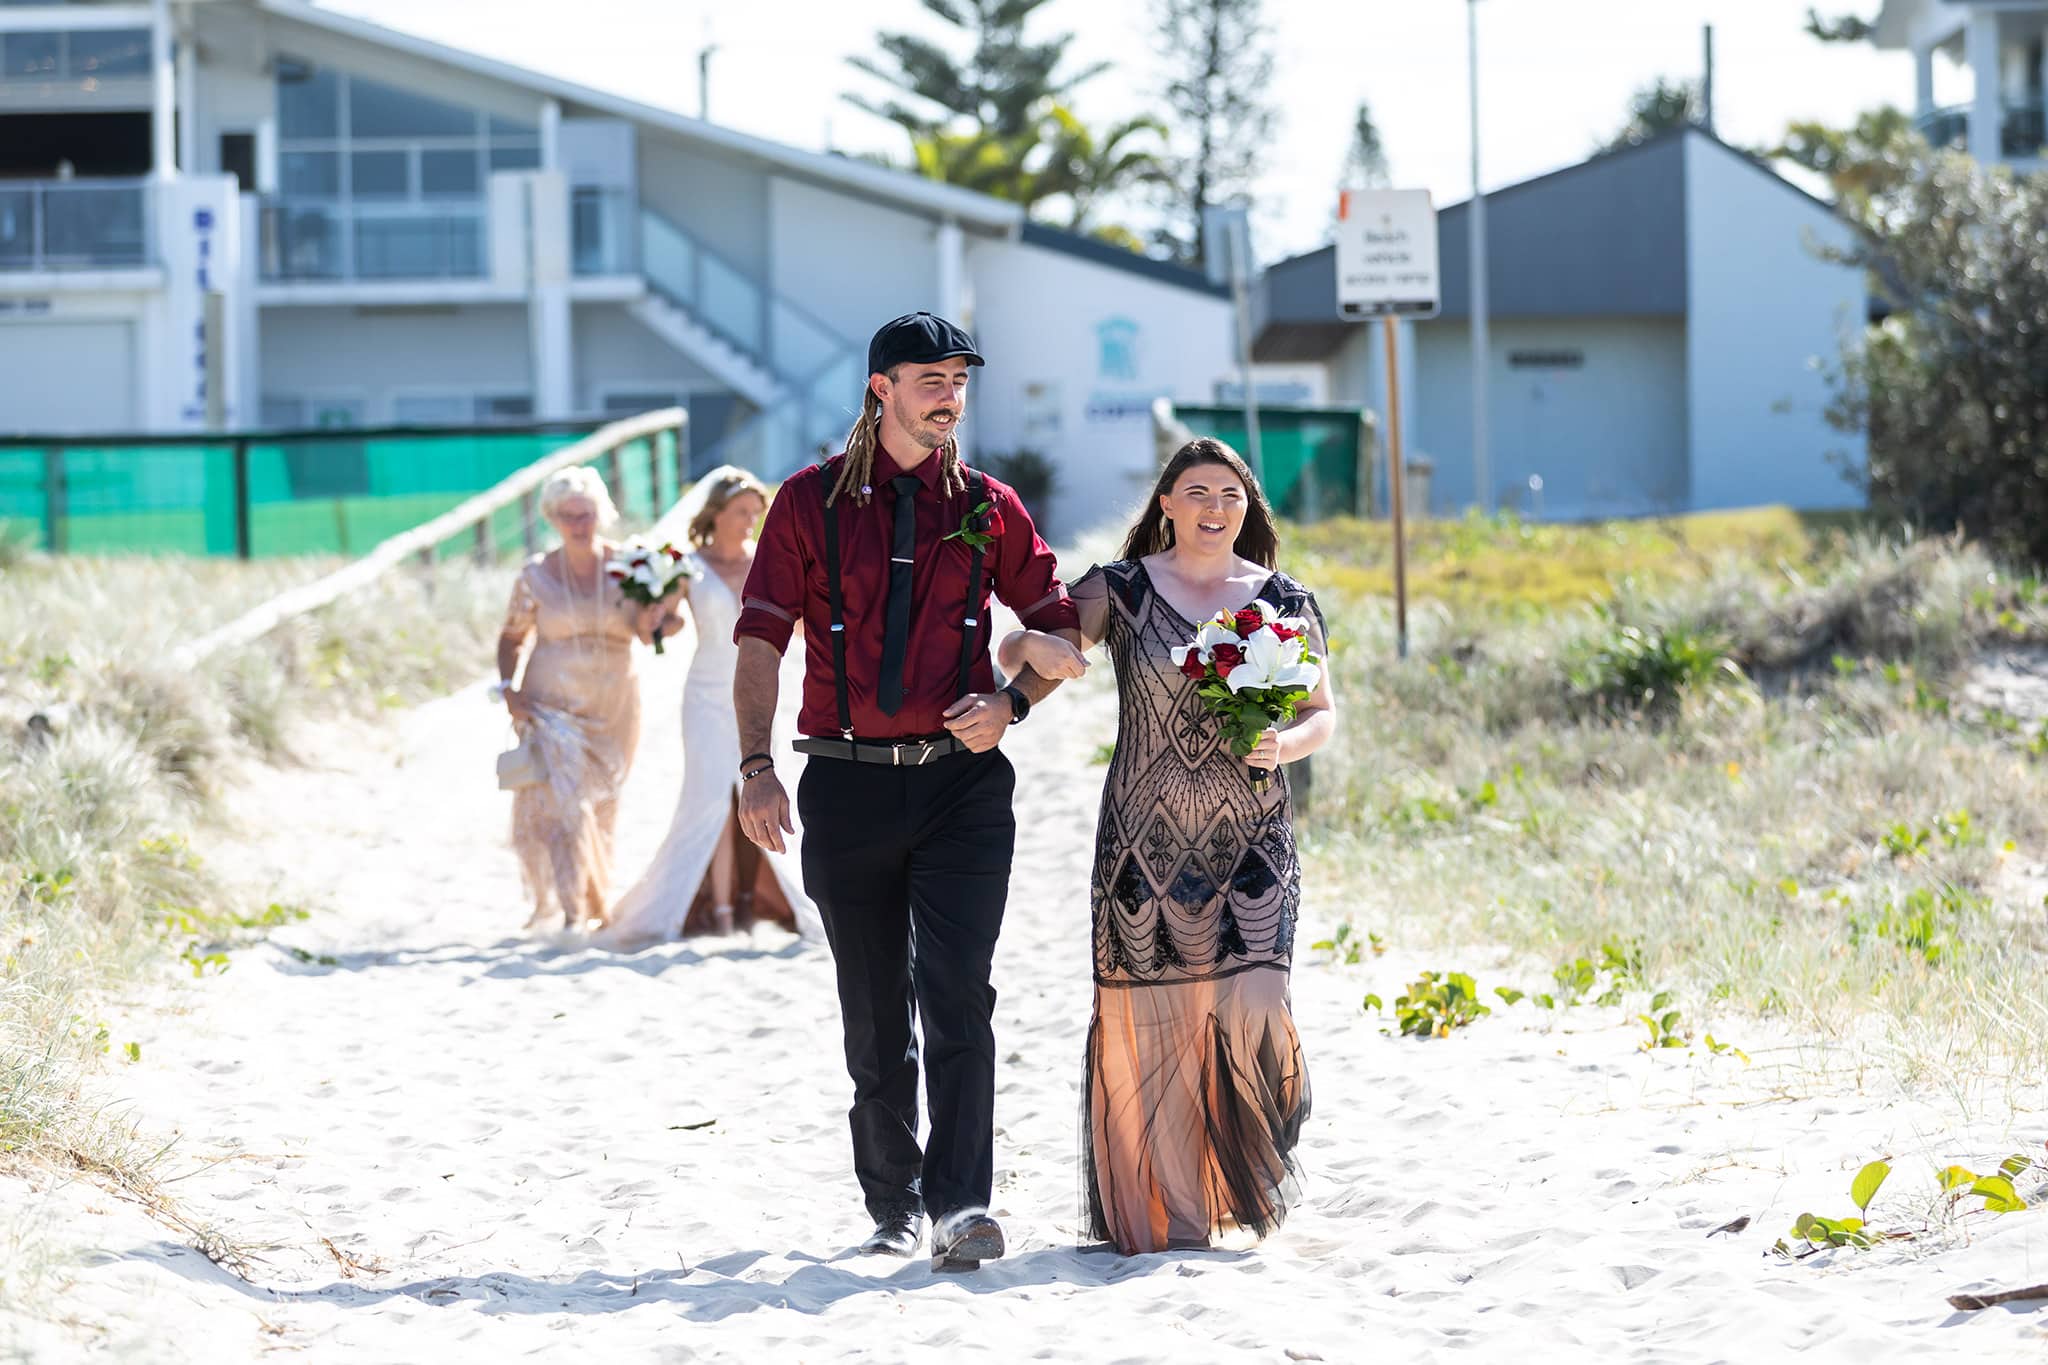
(471, 515)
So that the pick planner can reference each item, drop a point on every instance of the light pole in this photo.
(1482, 345)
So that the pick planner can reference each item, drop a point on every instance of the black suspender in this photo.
(970, 628)
(838, 607)
(971, 633)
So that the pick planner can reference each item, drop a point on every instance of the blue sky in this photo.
(1555, 74)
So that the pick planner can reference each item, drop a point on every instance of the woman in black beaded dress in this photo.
(1195, 1088)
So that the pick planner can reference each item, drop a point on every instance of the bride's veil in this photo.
(674, 525)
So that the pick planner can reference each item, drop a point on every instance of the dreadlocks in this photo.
(856, 472)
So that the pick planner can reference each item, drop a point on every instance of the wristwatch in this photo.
(1020, 705)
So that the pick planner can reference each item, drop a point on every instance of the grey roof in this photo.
(1115, 257)
(1604, 238)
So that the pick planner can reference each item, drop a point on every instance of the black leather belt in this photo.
(894, 753)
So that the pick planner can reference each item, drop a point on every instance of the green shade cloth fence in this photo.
(1318, 461)
(289, 493)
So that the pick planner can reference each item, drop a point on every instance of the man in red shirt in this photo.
(886, 555)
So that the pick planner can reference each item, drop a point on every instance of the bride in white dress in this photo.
(705, 878)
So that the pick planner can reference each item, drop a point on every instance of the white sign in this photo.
(1386, 253)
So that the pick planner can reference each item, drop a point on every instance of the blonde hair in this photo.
(725, 487)
(578, 481)
(858, 470)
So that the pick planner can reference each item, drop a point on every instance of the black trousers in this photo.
(910, 868)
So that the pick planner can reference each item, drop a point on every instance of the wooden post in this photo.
(682, 439)
(529, 522)
(1395, 480)
(655, 509)
(615, 475)
(244, 539)
(55, 509)
(486, 551)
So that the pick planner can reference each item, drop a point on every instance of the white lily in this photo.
(1270, 661)
(1212, 634)
(1180, 654)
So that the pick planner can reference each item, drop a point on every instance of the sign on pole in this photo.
(1387, 268)
(1386, 254)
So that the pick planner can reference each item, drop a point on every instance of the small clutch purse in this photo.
(520, 766)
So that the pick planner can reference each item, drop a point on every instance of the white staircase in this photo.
(701, 346)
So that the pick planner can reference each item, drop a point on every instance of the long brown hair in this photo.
(1258, 539)
(736, 484)
(856, 473)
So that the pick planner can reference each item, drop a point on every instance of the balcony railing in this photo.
(2022, 134)
(74, 225)
(338, 241)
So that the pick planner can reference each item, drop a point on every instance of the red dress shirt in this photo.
(788, 584)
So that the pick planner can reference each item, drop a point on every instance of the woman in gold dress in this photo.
(578, 702)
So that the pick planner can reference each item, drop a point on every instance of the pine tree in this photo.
(1843, 28)
(1221, 65)
(1365, 165)
(1656, 109)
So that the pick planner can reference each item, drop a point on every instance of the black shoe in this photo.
(895, 1234)
(963, 1240)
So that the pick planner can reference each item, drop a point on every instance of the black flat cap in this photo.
(919, 339)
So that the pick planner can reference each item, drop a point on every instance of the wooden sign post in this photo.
(1387, 268)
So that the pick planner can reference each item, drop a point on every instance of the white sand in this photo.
(533, 1150)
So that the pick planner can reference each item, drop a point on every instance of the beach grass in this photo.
(1731, 757)
(112, 763)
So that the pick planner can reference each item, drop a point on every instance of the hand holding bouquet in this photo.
(647, 574)
(1254, 667)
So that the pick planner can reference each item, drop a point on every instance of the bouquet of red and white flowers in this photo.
(648, 573)
(1254, 667)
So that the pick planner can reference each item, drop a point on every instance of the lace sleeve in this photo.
(522, 612)
(1090, 595)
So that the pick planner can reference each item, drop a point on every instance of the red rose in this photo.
(672, 552)
(1228, 657)
(1285, 633)
(616, 573)
(1223, 669)
(1193, 666)
(1248, 620)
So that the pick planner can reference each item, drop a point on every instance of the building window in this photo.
(380, 182)
(1562, 359)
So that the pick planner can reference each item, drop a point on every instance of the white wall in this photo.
(614, 352)
(721, 203)
(1764, 309)
(1057, 380)
(375, 355)
(853, 264)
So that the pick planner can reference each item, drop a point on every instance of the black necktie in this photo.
(897, 641)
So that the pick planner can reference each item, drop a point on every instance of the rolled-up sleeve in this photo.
(773, 600)
(1026, 573)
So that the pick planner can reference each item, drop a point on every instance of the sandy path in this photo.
(528, 1150)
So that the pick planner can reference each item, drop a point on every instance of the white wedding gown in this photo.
(654, 908)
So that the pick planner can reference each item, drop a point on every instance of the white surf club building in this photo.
(259, 214)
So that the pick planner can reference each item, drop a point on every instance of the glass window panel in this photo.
(308, 102)
(515, 158)
(380, 175)
(504, 128)
(376, 110)
(32, 56)
(416, 248)
(311, 175)
(446, 175)
(111, 52)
